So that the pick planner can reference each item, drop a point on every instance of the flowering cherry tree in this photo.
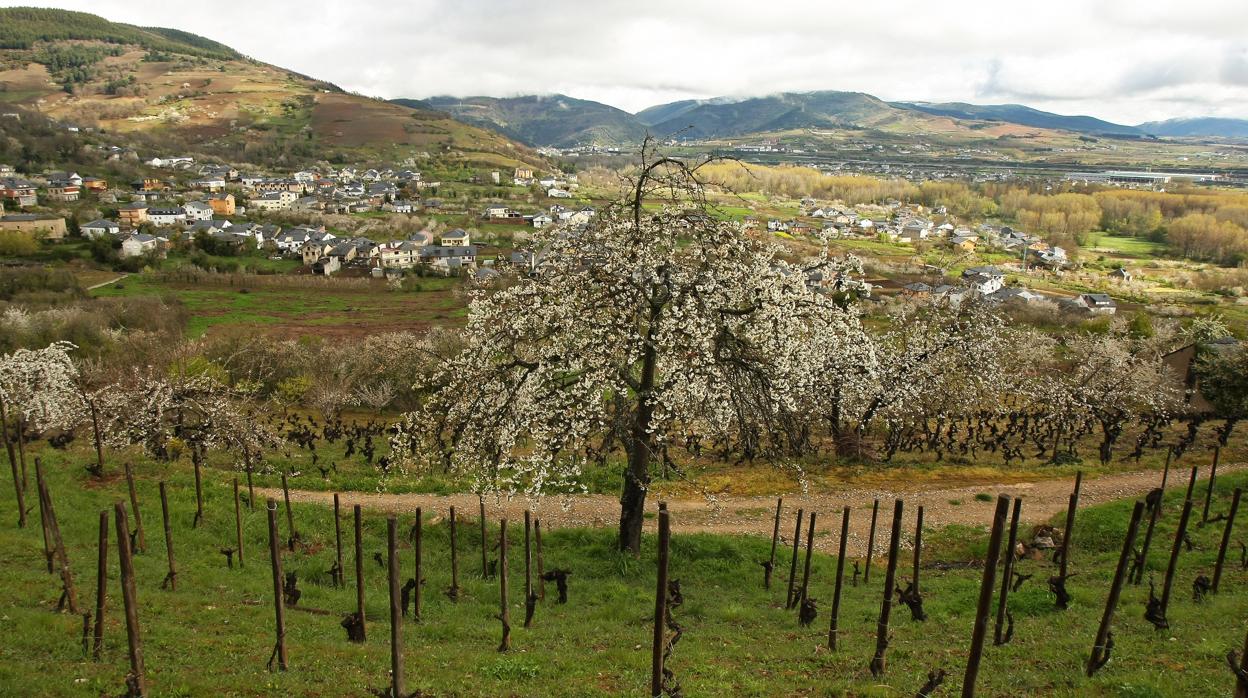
(644, 327)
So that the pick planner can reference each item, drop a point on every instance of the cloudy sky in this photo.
(1123, 60)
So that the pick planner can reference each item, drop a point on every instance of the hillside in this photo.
(826, 109)
(191, 92)
(542, 120)
(1197, 127)
(1022, 115)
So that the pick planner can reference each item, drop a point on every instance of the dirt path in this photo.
(754, 515)
(102, 284)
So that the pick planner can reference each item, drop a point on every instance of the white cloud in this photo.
(1123, 61)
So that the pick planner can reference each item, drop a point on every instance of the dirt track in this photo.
(753, 515)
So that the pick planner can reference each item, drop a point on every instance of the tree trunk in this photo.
(637, 474)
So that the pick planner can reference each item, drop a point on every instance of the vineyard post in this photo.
(418, 543)
(797, 548)
(396, 608)
(660, 606)
(172, 576)
(18, 487)
(504, 614)
(1241, 681)
(918, 546)
(134, 681)
(1213, 474)
(1154, 515)
(338, 572)
(541, 567)
(1068, 534)
(1174, 556)
(484, 544)
(840, 574)
(982, 609)
(101, 586)
(775, 538)
(866, 573)
(134, 506)
(290, 517)
(1100, 648)
(878, 662)
(279, 604)
(49, 550)
(1226, 539)
(1191, 483)
(53, 530)
(238, 525)
(810, 546)
(1007, 572)
(359, 568)
(528, 568)
(196, 457)
(454, 592)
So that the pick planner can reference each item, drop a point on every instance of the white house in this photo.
(985, 280)
(558, 193)
(99, 229)
(139, 244)
(456, 238)
(542, 220)
(197, 211)
(166, 216)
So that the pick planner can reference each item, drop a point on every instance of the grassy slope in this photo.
(214, 634)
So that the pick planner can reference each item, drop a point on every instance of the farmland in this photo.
(737, 640)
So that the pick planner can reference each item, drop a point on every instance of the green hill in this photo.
(542, 120)
(781, 112)
(187, 92)
(1209, 127)
(1022, 115)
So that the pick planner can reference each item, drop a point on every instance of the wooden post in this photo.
(134, 506)
(866, 574)
(290, 517)
(418, 542)
(485, 574)
(1069, 531)
(797, 546)
(101, 586)
(504, 614)
(528, 568)
(359, 568)
(53, 531)
(541, 567)
(454, 591)
(810, 546)
(279, 603)
(339, 577)
(878, 662)
(1191, 483)
(49, 550)
(1226, 539)
(775, 538)
(1213, 474)
(196, 456)
(396, 610)
(251, 492)
(1007, 572)
(840, 573)
(982, 610)
(1100, 648)
(18, 487)
(918, 547)
(1141, 561)
(1174, 556)
(660, 607)
(172, 577)
(238, 525)
(134, 680)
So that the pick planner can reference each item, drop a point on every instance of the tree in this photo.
(644, 327)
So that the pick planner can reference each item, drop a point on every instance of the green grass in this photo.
(214, 634)
(1126, 246)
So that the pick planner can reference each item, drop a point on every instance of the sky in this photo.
(1126, 61)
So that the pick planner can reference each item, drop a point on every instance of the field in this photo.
(297, 306)
(214, 634)
(1125, 246)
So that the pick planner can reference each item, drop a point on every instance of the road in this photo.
(942, 506)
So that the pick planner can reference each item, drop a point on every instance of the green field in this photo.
(1125, 246)
(289, 309)
(213, 635)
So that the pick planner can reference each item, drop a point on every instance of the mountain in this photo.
(183, 91)
(1210, 127)
(724, 117)
(542, 120)
(1022, 115)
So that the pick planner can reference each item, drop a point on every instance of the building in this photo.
(48, 227)
(140, 244)
(18, 190)
(198, 211)
(99, 228)
(456, 238)
(132, 215)
(166, 216)
(1097, 303)
(985, 280)
(222, 204)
